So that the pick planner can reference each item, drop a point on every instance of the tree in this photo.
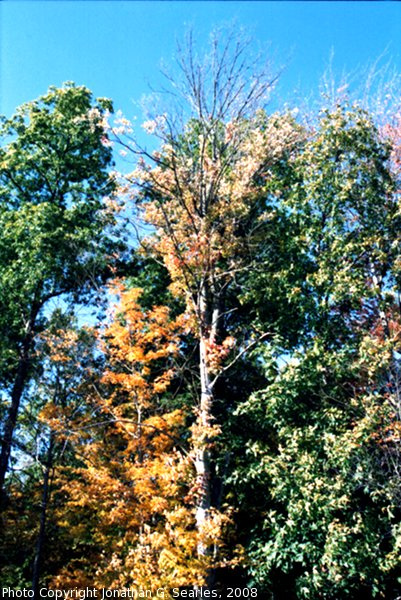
(204, 193)
(330, 526)
(124, 498)
(55, 217)
(254, 380)
(69, 361)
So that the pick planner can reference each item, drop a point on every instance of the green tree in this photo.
(55, 218)
(318, 463)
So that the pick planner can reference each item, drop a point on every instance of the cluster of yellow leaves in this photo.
(134, 342)
(59, 344)
(69, 353)
(130, 498)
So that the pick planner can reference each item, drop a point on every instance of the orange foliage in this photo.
(128, 500)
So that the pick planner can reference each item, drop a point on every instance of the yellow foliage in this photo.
(130, 494)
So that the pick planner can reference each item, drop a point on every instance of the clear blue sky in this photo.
(115, 47)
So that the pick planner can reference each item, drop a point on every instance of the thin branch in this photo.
(251, 345)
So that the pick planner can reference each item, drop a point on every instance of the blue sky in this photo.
(115, 47)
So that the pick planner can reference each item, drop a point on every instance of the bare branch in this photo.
(247, 348)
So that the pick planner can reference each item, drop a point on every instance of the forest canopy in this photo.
(230, 415)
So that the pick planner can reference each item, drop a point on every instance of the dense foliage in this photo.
(235, 418)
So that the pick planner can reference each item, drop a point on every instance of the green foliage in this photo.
(57, 216)
(319, 467)
(330, 523)
(53, 217)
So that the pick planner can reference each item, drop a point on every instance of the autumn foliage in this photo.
(230, 414)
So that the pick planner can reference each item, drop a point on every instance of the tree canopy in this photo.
(233, 419)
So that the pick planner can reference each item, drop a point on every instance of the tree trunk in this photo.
(202, 455)
(42, 523)
(203, 439)
(16, 395)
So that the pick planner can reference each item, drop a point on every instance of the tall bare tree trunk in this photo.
(204, 439)
(202, 450)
